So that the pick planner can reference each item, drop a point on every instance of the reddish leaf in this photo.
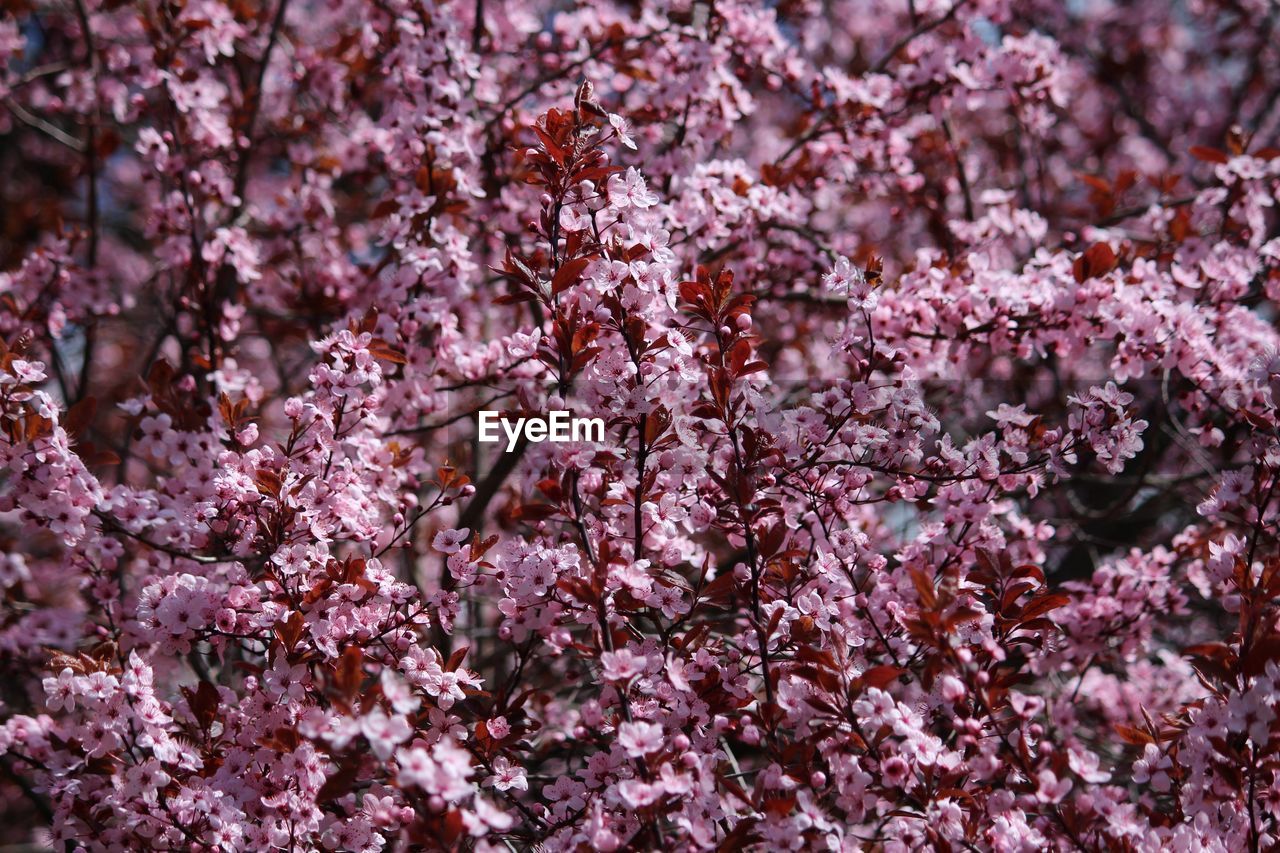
(1098, 260)
(349, 672)
(568, 274)
(1208, 155)
(290, 630)
(1129, 734)
(879, 676)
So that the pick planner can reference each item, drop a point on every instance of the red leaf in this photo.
(879, 676)
(290, 630)
(568, 274)
(534, 512)
(1044, 604)
(549, 145)
(341, 781)
(1129, 734)
(349, 672)
(382, 350)
(204, 703)
(455, 659)
(79, 416)
(1099, 259)
(1208, 155)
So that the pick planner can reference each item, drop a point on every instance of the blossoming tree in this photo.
(936, 346)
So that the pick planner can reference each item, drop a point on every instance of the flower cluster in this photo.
(935, 348)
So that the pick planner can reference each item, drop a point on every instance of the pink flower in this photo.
(60, 692)
(507, 775)
(895, 770)
(498, 727)
(384, 733)
(629, 190)
(622, 665)
(450, 541)
(623, 128)
(638, 794)
(416, 767)
(849, 281)
(398, 693)
(283, 680)
(640, 738)
(928, 359)
(1050, 788)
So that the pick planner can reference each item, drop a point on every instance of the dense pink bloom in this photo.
(934, 354)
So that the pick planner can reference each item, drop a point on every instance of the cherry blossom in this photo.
(935, 348)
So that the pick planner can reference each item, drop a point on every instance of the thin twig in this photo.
(46, 127)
